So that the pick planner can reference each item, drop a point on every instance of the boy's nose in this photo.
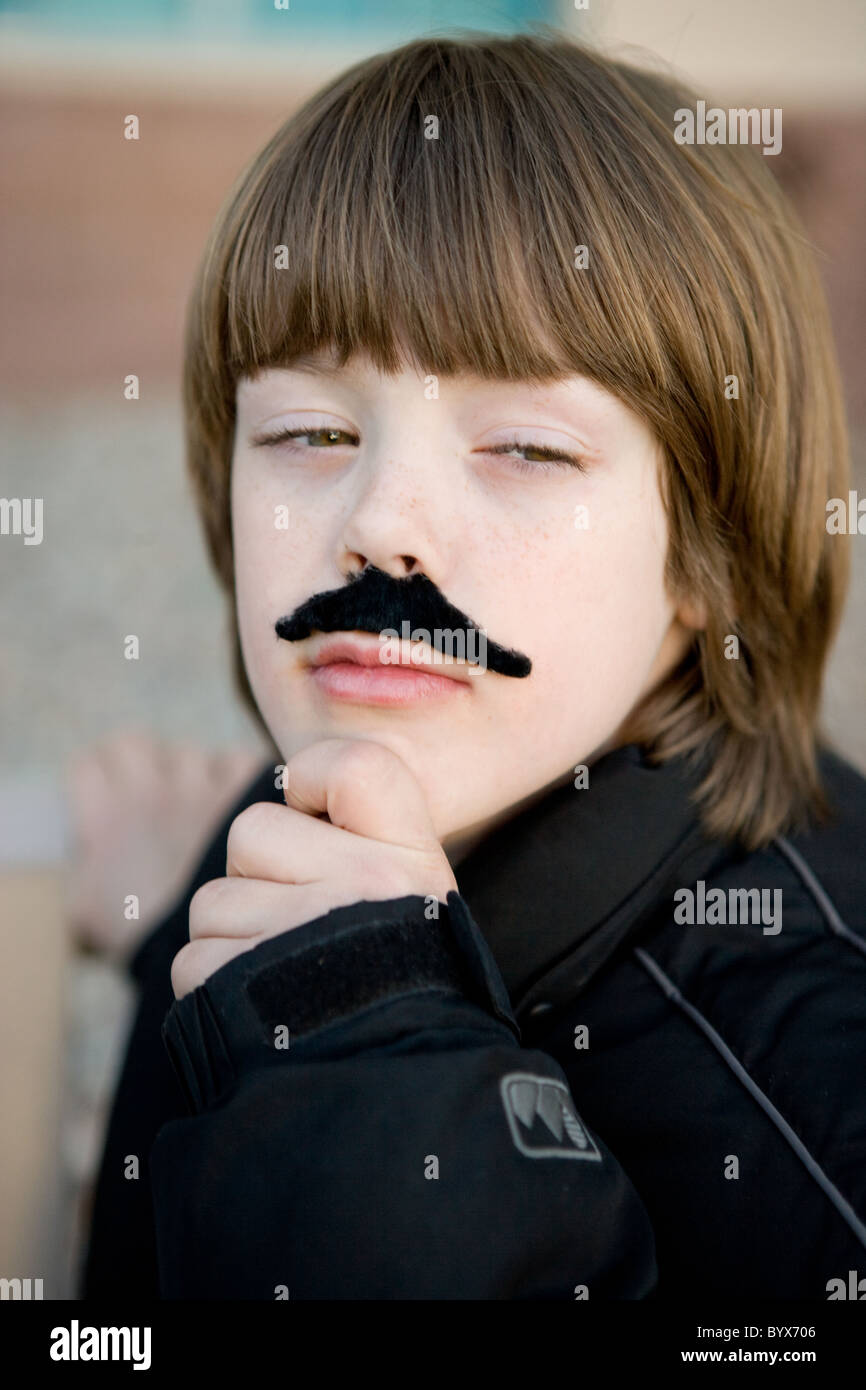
(397, 566)
(401, 514)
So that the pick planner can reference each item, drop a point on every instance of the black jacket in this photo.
(558, 1089)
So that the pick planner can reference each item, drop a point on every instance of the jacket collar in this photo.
(559, 887)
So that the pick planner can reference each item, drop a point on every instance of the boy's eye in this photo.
(323, 437)
(544, 455)
(326, 437)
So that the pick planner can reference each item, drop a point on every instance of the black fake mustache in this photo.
(374, 601)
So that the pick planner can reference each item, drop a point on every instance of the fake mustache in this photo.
(374, 601)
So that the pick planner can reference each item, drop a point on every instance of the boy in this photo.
(534, 971)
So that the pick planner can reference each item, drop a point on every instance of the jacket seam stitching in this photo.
(811, 1164)
(832, 917)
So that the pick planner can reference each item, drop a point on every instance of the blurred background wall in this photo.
(100, 239)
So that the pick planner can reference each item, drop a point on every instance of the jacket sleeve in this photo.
(365, 1125)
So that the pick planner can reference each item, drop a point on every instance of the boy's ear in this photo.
(692, 613)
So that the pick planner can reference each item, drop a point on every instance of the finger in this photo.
(134, 757)
(244, 907)
(363, 787)
(198, 959)
(89, 798)
(283, 845)
(79, 913)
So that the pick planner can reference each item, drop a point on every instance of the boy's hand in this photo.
(355, 826)
(142, 810)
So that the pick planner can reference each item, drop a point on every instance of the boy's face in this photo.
(561, 563)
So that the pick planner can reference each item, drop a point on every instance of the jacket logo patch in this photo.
(542, 1118)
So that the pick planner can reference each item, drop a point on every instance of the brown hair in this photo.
(459, 253)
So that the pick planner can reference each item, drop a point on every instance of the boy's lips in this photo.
(350, 668)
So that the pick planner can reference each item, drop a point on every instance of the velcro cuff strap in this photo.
(329, 981)
(329, 969)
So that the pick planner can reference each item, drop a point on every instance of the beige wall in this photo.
(790, 52)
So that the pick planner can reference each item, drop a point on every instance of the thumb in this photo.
(361, 786)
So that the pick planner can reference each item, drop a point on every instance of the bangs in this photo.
(454, 253)
(518, 208)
